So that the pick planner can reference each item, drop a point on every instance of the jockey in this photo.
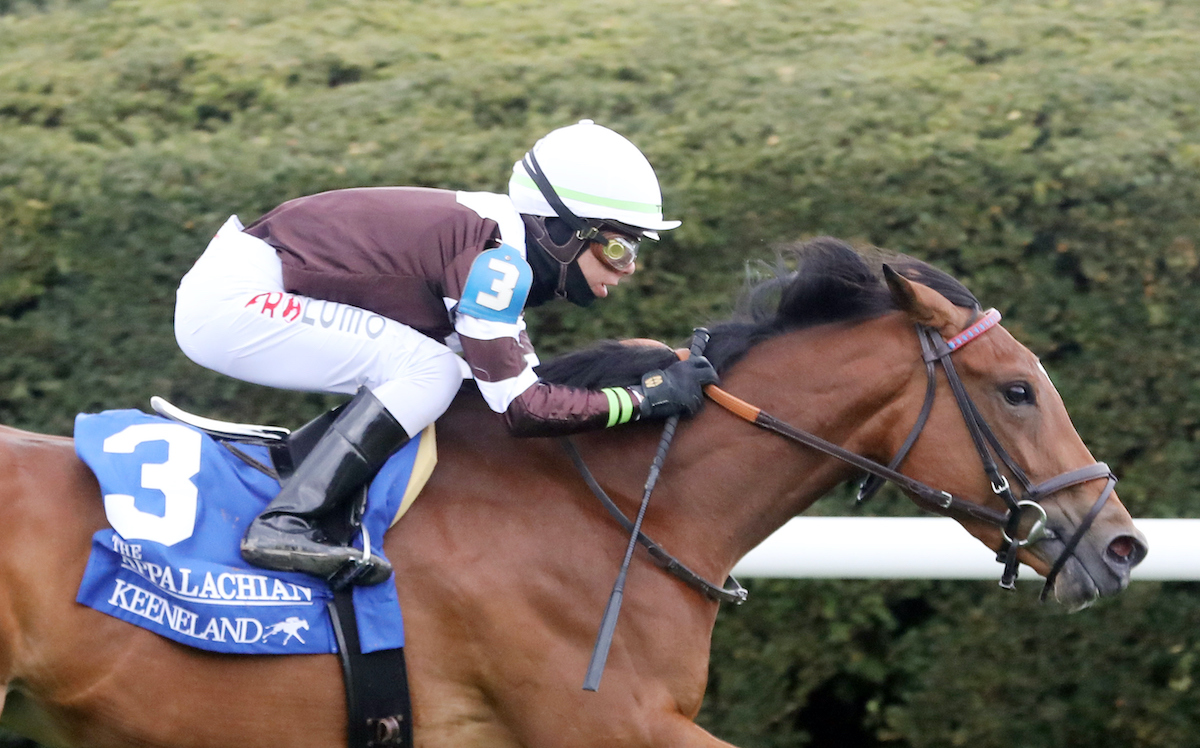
(397, 294)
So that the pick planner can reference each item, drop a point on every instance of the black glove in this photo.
(677, 389)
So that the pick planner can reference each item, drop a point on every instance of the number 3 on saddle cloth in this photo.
(179, 503)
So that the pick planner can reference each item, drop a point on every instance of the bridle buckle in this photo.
(1002, 488)
(590, 233)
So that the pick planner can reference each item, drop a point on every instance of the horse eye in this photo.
(1019, 393)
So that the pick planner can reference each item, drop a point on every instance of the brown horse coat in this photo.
(506, 562)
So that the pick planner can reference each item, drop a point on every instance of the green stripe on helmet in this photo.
(605, 202)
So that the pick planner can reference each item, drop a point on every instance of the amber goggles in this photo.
(618, 252)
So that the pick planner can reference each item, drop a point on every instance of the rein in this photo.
(935, 350)
(731, 592)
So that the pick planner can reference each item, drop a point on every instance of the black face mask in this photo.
(546, 241)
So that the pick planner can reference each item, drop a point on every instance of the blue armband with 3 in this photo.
(497, 286)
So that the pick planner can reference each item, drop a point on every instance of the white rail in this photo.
(933, 548)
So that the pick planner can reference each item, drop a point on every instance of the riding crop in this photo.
(608, 624)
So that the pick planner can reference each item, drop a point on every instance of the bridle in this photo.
(935, 350)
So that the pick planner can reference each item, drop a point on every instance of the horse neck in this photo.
(728, 484)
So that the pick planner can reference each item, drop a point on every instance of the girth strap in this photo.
(378, 706)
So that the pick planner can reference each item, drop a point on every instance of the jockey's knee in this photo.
(422, 390)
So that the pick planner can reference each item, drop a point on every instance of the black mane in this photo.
(832, 283)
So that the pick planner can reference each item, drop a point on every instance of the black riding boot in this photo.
(285, 537)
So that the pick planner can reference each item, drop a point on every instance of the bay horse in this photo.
(505, 563)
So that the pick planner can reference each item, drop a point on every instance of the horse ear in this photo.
(925, 306)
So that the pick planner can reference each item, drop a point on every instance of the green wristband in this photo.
(620, 406)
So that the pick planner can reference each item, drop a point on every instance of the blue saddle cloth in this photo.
(179, 503)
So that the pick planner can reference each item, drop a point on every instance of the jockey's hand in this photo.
(676, 390)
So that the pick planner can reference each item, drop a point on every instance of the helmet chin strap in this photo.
(564, 254)
(584, 230)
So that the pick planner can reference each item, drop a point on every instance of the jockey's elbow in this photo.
(518, 423)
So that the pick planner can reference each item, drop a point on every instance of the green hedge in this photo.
(1046, 153)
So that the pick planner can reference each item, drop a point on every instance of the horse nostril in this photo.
(1125, 549)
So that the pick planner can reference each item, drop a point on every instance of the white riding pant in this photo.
(233, 316)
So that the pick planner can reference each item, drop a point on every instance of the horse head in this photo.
(883, 364)
(1089, 545)
(889, 366)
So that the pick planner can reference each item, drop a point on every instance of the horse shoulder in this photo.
(482, 495)
(504, 565)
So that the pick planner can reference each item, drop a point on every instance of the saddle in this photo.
(288, 448)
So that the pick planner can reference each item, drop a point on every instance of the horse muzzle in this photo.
(1100, 564)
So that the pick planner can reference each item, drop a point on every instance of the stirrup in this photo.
(356, 568)
(351, 572)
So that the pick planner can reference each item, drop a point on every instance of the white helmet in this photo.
(592, 172)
